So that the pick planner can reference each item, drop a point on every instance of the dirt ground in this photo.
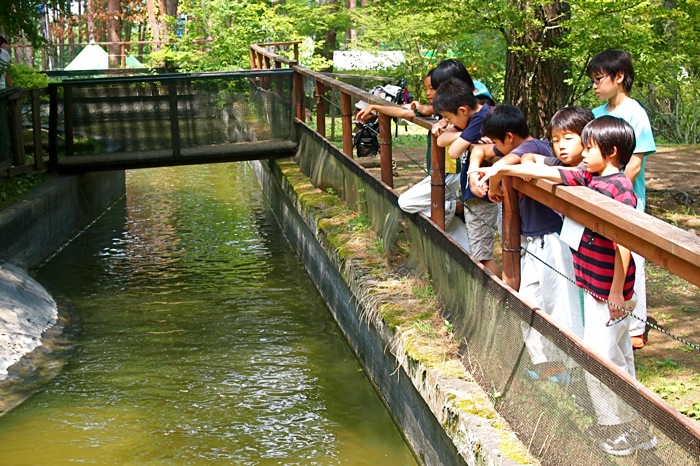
(665, 365)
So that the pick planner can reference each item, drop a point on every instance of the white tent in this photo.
(94, 57)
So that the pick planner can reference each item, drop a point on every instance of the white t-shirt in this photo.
(4, 63)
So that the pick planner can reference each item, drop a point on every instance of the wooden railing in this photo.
(14, 103)
(670, 247)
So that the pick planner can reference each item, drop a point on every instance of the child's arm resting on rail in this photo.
(390, 110)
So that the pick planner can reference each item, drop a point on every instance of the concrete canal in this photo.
(201, 340)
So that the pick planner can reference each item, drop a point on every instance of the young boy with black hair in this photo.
(612, 76)
(455, 101)
(544, 253)
(606, 271)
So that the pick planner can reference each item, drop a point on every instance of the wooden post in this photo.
(266, 66)
(16, 138)
(36, 131)
(253, 65)
(68, 119)
(511, 235)
(122, 53)
(437, 182)
(299, 95)
(53, 127)
(174, 123)
(321, 108)
(346, 120)
(296, 52)
(385, 157)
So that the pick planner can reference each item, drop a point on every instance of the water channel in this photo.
(201, 341)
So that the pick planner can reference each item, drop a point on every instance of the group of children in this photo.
(604, 150)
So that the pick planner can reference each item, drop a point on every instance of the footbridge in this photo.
(170, 119)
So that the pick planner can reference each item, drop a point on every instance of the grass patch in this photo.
(13, 188)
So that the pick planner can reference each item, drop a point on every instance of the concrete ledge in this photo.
(444, 415)
(40, 223)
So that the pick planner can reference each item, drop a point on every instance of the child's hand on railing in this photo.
(477, 187)
(439, 127)
(366, 113)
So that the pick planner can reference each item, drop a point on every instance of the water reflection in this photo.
(202, 341)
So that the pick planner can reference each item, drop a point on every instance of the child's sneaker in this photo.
(638, 342)
(625, 439)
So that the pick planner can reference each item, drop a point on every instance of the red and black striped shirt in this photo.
(594, 262)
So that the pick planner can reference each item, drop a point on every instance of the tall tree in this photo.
(536, 70)
(113, 32)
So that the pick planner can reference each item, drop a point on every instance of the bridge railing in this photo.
(139, 121)
(20, 117)
(673, 249)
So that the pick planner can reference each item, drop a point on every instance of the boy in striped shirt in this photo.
(605, 270)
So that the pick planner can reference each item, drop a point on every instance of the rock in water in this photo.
(26, 311)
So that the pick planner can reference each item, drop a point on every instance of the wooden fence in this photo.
(670, 247)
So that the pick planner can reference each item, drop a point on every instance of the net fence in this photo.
(555, 416)
(181, 113)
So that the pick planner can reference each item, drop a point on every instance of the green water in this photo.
(201, 341)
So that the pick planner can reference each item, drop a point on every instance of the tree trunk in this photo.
(153, 23)
(330, 36)
(114, 33)
(90, 13)
(533, 82)
(351, 34)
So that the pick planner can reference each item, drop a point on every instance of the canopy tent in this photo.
(94, 57)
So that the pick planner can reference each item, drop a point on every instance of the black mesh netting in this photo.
(554, 418)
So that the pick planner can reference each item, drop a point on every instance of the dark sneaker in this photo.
(625, 441)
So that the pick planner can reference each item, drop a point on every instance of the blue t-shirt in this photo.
(636, 116)
(471, 133)
(535, 219)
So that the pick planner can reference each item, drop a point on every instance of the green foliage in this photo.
(20, 18)
(427, 34)
(234, 25)
(26, 77)
(662, 38)
(13, 188)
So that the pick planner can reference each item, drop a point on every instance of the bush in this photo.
(674, 108)
(25, 77)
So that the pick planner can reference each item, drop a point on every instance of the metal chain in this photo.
(599, 298)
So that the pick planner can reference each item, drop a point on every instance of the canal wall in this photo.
(42, 221)
(31, 230)
(445, 416)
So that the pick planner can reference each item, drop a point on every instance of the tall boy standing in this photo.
(612, 76)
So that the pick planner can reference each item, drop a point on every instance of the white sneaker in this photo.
(625, 440)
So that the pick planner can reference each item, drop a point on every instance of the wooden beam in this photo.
(674, 249)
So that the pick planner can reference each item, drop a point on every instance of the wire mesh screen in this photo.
(5, 153)
(557, 417)
(175, 112)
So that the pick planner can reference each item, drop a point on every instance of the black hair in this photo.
(609, 132)
(572, 119)
(452, 94)
(3, 40)
(610, 63)
(504, 119)
(450, 68)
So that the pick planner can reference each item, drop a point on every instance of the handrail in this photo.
(666, 245)
(15, 162)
